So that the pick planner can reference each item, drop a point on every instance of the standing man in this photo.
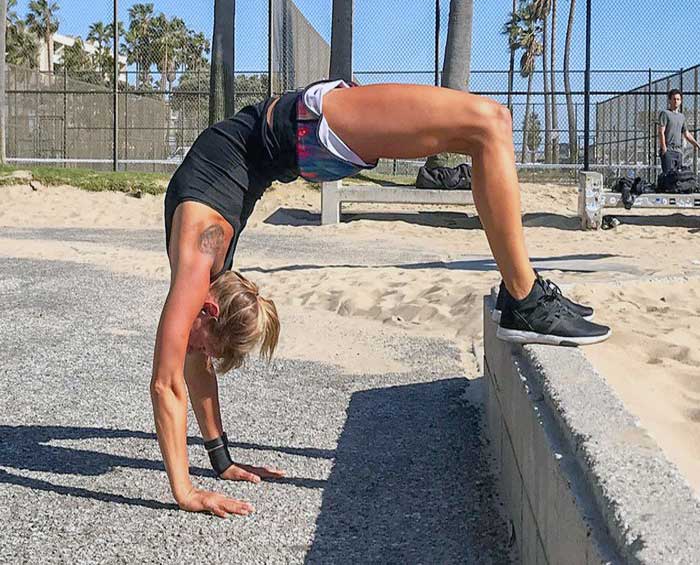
(672, 130)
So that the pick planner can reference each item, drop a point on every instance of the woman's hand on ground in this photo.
(250, 473)
(218, 504)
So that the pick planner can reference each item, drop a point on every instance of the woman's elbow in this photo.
(162, 388)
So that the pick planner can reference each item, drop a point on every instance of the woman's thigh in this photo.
(407, 121)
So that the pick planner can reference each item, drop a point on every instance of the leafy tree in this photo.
(78, 64)
(22, 46)
(533, 134)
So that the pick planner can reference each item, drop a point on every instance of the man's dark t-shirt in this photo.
(674, 128)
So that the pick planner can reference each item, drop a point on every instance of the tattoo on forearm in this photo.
(211, 241)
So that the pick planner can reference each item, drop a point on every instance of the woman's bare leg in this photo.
(408, 121)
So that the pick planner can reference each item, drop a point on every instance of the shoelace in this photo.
(552, 295)
(553, 286)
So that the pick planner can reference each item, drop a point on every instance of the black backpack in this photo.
(451, 178)
(640, 186)
(624, 186)
(682, 181)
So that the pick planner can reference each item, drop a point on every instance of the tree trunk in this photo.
(457, 62)
(523, 155)
(547, 112)
(553, 90)
(222, 85)
(573, 149)
(341, 40)
(511, 69)
(49, 49)
(164, 72)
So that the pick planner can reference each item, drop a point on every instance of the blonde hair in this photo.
(245, 320)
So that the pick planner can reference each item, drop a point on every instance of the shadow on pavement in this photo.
(26, 448)
(410, 483)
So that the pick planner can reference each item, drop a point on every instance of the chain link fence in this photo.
(527, 54)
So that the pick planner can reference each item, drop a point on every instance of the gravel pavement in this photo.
(384, 468)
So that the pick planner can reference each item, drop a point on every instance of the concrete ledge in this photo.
(593, 199)
(333, 194)
(581, 481)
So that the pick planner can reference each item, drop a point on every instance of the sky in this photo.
(398, 34)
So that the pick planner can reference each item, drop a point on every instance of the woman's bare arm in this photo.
(195, 252)
(168, 392)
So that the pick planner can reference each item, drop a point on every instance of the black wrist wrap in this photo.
(217, 449)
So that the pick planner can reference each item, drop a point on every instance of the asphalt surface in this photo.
(385, 468)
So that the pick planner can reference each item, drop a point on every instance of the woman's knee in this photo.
(493, 123)
(499, 120)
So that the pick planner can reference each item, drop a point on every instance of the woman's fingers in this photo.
(217, 504)
(251, 473)
(232, 506)
(236, 473)
(268, 472)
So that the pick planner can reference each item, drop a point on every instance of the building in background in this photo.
(60, 42)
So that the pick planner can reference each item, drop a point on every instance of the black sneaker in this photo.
(586, 312)
(542, 317)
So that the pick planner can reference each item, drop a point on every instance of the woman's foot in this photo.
(586, 312)
(544, 316)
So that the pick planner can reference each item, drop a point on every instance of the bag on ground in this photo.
(450, 178)
(682, 181)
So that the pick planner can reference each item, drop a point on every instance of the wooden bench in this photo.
(333, 194)
(593, 199)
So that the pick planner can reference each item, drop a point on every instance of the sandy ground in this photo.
(643, 278)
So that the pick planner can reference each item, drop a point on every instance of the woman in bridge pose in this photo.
(324, 132)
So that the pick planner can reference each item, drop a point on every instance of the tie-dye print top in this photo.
(316, 163)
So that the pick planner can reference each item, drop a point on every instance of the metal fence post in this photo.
(587, 89)
(115, 54)
(126, 123)
(649, 131)
(3, 79)
(634, 128)
(270, 44)
(695, 120)
(65, 114)
(437, 42)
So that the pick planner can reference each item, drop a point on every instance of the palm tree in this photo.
(530, 32)
(170, 36)
(42, 21)
(341, 40)
(12, 18)
(573, 149)
(22, 47)
(511, 29)
(553, 89)
(98, 34)
(194, 50)
(542, 8)
(222, 95)
(138, 39)
(456, 64)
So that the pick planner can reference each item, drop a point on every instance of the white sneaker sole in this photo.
(496, 316)
(520, 336)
